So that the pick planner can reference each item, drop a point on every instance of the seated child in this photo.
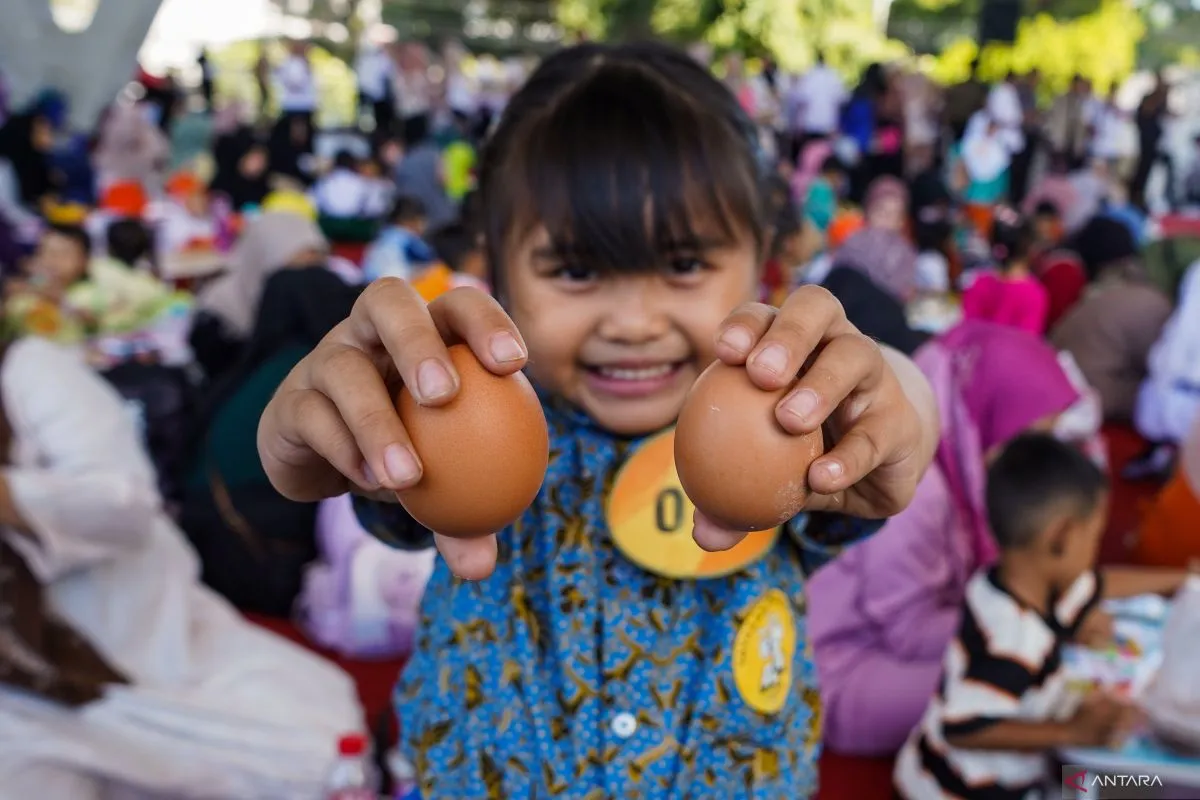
(400, 251)
(824, 193)
(460, 250)
(1004, 699)
(1047, 227)
(185, 221)
(1012, 295)
(121, 293)
(35, 302)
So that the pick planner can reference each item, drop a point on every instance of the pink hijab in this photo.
(808, 167)
(991, 382)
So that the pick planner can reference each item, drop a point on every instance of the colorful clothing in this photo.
(571, 672)
(1005, 666)
(397, 253)
(882, 614)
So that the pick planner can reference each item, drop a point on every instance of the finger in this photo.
(391, 314)
(858, 453)
(469, 559)
(474, 317)
(741, 330)
(307, 451)
(851, 364)
(810, 316)
(351, 382)
(712, 537)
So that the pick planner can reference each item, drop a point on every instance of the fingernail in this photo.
(433, 380)
(832, 469)
(773, 359)
(369, 476)
(401, 465)
(802, 404)
(738, 338)
(505, 347)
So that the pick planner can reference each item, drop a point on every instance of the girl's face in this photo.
(625, 349)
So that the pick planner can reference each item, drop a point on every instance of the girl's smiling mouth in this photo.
(633, 378)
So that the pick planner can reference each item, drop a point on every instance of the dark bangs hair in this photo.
(627, 154)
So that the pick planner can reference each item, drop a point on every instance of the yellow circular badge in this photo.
(763, 650)
(650, 519)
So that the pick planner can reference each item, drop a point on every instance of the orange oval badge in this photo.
(650, 519)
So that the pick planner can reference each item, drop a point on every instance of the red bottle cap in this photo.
(354, 744)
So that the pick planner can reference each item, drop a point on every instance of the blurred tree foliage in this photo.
(787, 30)
(1100, 44)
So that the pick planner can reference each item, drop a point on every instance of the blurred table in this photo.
(1129, 667)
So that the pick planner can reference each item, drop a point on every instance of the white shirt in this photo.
(1004, 105)
(461, 94)
(412, 94)
(1112, 128)
(817, 98)
(346, 194)
(295, 85)
(374, 69)
(216, 707)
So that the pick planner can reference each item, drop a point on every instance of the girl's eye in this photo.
(686, 265)
(575, 273)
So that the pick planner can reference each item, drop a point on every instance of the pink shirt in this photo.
(1017, 302)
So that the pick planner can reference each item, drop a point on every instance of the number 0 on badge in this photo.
(650, 519)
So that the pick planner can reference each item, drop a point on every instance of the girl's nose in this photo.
(632, 315)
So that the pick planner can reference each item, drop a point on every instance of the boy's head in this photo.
(624, 216)
(128, 241)
(459, 248)
(345, 160)
(409, 213)
(1047, 223)
(62, 255)
(1047, 503)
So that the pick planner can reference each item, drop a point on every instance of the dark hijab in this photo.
(30, 165)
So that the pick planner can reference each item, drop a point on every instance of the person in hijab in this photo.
(419, 175)
(883, 612)
(26, 179)
(298, 307)
(291, 148)
(1116, 322)
(881, 250)
(120, 673)
(131, 149)
(228, 307)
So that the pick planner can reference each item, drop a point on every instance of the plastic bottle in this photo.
(404, 777)
(352, 776)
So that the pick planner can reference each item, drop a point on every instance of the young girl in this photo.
(1011, 296)
(622, 204)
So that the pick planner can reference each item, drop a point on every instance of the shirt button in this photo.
(624, 725)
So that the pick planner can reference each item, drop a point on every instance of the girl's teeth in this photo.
(643, 374)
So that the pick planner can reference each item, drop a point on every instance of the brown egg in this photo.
(485, 452)
(735, 461)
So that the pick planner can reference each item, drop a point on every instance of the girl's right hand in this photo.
(333, 425)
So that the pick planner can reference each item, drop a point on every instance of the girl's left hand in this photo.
(875, 403)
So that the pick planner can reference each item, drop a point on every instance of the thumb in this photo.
(469, 559)
(712, 537)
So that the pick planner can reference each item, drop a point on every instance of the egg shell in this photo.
(484, 453)
(735, 461)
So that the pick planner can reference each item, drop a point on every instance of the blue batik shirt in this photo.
(571, 672)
